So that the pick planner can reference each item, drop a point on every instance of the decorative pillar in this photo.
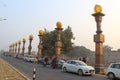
(19, 43)
(30, 47)
(58, 43)
(10, 50)
(16, 47)
(40, 43)
(23, 48)
(99, 39)
(13, 49)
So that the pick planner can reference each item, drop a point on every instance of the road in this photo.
(47, 73)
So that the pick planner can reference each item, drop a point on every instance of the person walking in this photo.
(45, 61)
(84, 59)
(54, 63)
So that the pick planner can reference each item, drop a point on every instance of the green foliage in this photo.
(49, 40)
(66, 38)
(49, 43)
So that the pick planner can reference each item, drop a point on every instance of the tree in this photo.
(49, 40)
(49, 43)
(67, 36)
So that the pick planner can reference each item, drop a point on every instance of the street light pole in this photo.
(58, 43)
(19, 43)
(30, 47)
(13, 49)
(40, 43)
(99, 39)
(23, 48)
(10, 49)
(16, 47)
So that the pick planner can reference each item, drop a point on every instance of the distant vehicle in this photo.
(79, 67)
(113, 71)
(30, 58)
(19, 56)
(6, 53)
(15, 55)
(41, 60)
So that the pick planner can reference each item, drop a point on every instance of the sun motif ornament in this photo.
(16, 43)
(31, 36)
(41, 32)
(19, 42)
(13, 44)
(24, 39)
(59, 25)
(10, 45)
(97, 9)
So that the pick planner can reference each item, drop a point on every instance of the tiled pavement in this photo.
(7, 72)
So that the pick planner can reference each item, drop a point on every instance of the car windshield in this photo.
(81, 63)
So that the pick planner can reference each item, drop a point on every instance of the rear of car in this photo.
(113, 71)
(30, 58)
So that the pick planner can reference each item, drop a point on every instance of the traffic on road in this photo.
(50, 73)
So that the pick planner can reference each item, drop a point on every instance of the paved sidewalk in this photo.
(7, 72)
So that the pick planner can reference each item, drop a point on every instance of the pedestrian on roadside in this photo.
(45, 61)
(84, 59)
(54, 63)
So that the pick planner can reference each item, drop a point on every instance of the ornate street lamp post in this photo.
(13, 49)
(98, 39)
(16, 47)
(2, 19)
(30, 47)
(58, 43)
(23, 48)
(19, 43)
(40, 43)
(10, 49)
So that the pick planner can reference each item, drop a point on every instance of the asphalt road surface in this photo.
(47, 73)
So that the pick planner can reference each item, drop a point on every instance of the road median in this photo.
(8, 72)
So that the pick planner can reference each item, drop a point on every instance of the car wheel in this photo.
(64, 69)
(80, 72)
(111, 76)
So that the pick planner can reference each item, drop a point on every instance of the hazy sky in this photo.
(25, 17)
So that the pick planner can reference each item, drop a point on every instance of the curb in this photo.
(101, 75)
(16, 70)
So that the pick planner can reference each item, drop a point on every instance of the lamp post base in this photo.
(99, 69)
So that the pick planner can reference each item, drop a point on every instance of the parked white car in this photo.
(30, 58)
(113, 71)
(79, 67)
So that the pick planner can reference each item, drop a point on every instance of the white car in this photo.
(30, 58)
(79, 67)
(113, 71)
